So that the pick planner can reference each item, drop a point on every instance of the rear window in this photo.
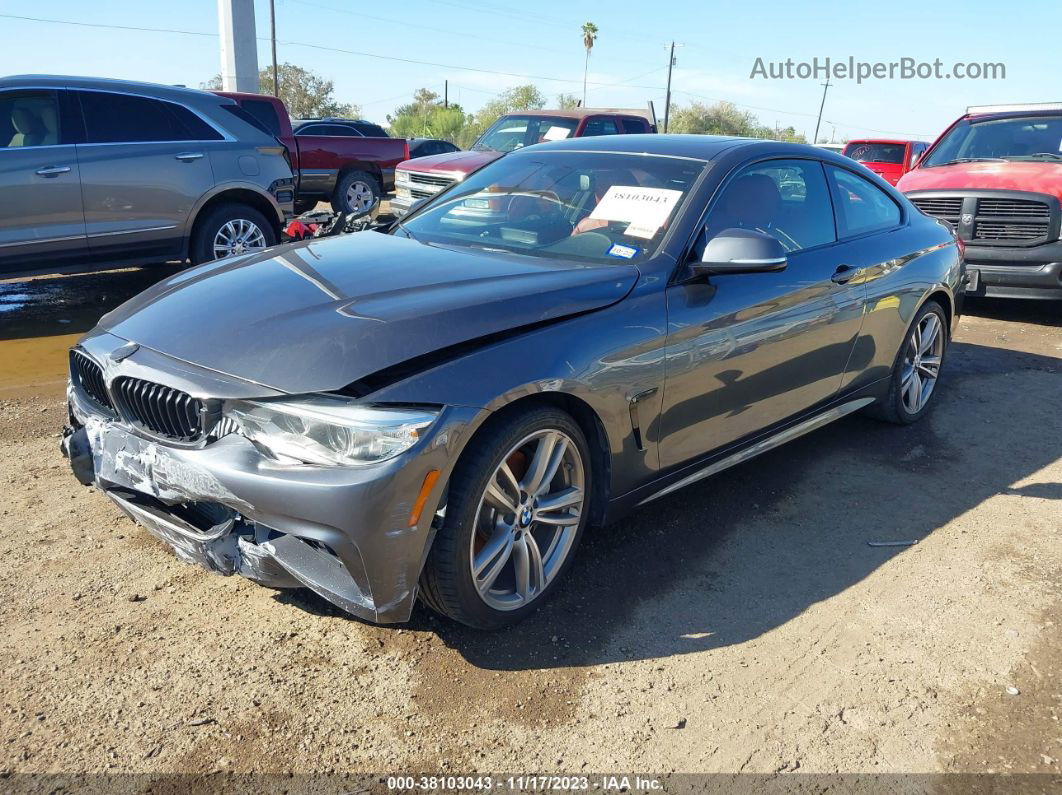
(264, 113)
(875, 153)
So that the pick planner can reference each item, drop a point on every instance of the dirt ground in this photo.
(743, 624)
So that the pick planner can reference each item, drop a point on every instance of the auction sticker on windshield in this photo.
(645, 210)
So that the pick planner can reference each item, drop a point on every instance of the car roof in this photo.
(580, 113)
(106, 84)
(700, 147)
(883, 141)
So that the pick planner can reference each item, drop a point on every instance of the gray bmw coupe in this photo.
(441, 408)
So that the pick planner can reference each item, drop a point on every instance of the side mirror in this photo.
(740, 251)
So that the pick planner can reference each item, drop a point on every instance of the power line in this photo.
(435, 29)
(321, 47)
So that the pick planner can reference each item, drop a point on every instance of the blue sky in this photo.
(628, 66)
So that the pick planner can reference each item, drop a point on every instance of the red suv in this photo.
(995, 176)
(425, 176)
(889, 158)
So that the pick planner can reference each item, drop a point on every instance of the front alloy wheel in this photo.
(516, 506)
(527, 520)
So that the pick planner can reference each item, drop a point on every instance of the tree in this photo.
(306, 94)
(567, 101)
(589, 37)
(425, 117)
(725, 118)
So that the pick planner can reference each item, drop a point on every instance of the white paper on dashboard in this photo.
(556, 134)
(645, 209)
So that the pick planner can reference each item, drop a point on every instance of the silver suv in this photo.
(112, 172)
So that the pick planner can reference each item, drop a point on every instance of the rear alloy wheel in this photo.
(921, 364)
(229, 230)
(916, 371)
(515, 513)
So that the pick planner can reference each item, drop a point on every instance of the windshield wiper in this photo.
(1050, 155)
(973, 160)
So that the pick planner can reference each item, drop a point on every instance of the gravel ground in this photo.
(743, 624)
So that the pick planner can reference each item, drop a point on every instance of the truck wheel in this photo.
(355, 192)
(230, 229)
(304, 205)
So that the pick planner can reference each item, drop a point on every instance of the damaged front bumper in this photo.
(343, 532)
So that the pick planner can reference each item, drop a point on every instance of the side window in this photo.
(787, 199)
(916, 152)
(122, 118)
(633, 125)
(369, 130)
(600, 127)
(195, 127)
(28, 118)
(861, 207)
(264, 113)
(338, 130)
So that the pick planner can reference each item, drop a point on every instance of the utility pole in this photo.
(667, 99)
(273, 39)
(446, 93)
(825, 88)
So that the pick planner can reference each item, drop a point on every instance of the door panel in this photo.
(144, 165)
(749, 350)
(42, 218)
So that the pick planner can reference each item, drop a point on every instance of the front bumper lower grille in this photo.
(159, 409)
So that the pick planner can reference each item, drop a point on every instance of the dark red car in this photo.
(995, 176)
(425, 176)
(889, 158)
(348, 171)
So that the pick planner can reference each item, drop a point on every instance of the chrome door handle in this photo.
(188, 157)
(844, 274)
(51, 171)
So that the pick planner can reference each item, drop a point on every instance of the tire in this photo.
(898, 406)
(475, 525)
(211, 226)
(304, 205)
(351, 185)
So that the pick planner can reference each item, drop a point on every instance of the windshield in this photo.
(1021, 138)
(875, 153)
(561, 205)
(514, 132)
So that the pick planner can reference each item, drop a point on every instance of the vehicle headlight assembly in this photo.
(329, 430)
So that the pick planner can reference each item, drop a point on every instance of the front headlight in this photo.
(329, 430)
(401, 177)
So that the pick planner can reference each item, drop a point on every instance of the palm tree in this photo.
(589, 37)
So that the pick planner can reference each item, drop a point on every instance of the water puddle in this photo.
(41, 318)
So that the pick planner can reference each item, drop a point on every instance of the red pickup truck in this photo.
(425, 176)
(348, 171)
(995, 176)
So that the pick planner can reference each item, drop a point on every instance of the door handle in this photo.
(51, 171)
(844, 274)
(188, 157)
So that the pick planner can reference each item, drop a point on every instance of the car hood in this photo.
(452, 162)
(319, 315)
(1037, 177)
